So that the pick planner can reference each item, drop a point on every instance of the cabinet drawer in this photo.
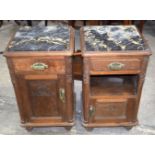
(115, 65)
(39, 65)
(112, 110)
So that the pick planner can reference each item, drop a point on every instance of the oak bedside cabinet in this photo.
(115, 59)
(40, 65)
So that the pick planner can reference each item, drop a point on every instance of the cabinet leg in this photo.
(68, 128)
(129, 127)
(29, 128)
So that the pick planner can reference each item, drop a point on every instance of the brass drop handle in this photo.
(62, 95)
(116, 66)
(91, 111)
(39, 66)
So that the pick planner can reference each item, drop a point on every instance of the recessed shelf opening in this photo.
(113, 85)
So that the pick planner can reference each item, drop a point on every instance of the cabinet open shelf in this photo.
(113, 85)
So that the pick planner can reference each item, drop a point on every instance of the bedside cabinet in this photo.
(40, 65)
(115, 60)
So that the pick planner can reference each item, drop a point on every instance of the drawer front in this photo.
(115, 65)
(39, 65)
(112, 110)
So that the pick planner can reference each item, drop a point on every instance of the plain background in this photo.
(77, 10)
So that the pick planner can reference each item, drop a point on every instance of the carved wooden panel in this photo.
(111, 110)
(41, 91)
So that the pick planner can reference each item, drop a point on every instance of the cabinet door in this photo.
(43, 97)
(112, 110)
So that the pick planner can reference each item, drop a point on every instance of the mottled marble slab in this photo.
(113, 38)
(50, 38)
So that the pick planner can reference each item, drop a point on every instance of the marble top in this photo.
(50, 38)
(113, 38)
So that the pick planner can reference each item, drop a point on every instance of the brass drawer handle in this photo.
(116, 66)
(39, 66)
(62, 95)
(91, 111)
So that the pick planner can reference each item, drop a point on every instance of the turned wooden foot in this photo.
(129, 127)
(68, 128)
(29, 128)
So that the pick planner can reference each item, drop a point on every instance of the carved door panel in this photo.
(112, 110)
(43, 97)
